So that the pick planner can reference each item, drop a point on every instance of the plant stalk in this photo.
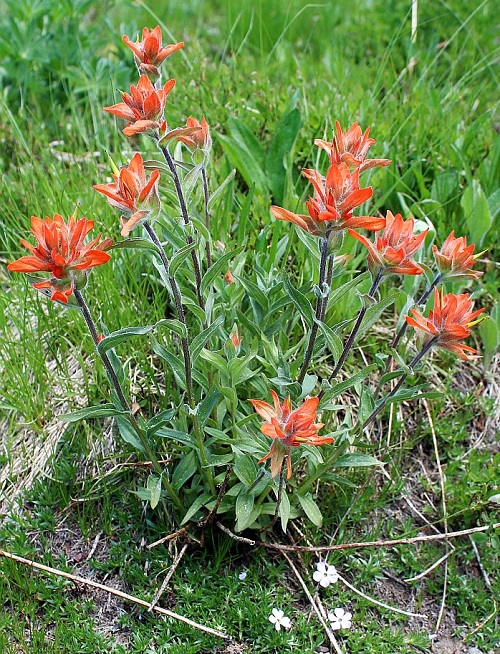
(207, 213)
(187, 221)
(352, 337)
(320, 303)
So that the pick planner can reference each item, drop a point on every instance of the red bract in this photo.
(351, 148)
(133, 194)
(449, 323)
(195, 135)
(61, 251)
(456, 258)
(392, 251)
(143, 107)
(331, 208)
(288, 429)
(149, 53)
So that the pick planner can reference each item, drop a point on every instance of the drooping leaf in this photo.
(311, 509)
(202, 338)
(97, 411)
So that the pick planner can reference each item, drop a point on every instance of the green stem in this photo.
(207, 214)
(123, 400)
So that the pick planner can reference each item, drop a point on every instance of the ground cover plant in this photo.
(263, 322)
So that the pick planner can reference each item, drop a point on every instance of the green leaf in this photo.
(374, 312)
(135, 242)
(219, 190)
(217, 268)
(245, 154)
(122, 335)
(366, 404)
(245, 469)
(153, 485)
(281, 145)
(244, 505)
(311, 509)
(184, 470)
(97, 411)
(158, 421)
(179, 257)
(356, 460)
(201, 339)
(333, 341)
(300, 301)
(338, 389)
(284, 509)
(195, 507)
(208, 404)
(174, 362)
(339, 292)
(190, 179)
(254, 292)
(490, 335)
(476, 211)
(128, 433)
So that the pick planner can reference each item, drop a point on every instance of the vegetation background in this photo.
(66, 491)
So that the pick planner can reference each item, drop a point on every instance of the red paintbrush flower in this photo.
(456, 258)
(143, 107)
(288, 429)
(449, 323)
(196, 135)
(351, 148)
(61, 251)
(133, 194)
(392, 251)
(331, 208)
(149, 53)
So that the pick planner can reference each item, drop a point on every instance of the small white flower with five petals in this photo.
(279, 619)
(325, 574)
(340, 619)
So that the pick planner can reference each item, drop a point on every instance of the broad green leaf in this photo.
(254, 292)
(281, 145)
(179, 257)
(177, 436)
(356, 460)
(311, 509)
(153, 485)
(184, 470)
(284, 509)
(174, 362)
(476, 211)
(488, 330)
(374, 312)
(339, 292)
(208, 404)
(244, 505)
(128, 433)
(340, 388)
(333, 341)
(190, 179)
(158, 421)
(218, 268)
(97, 411)
(244, 161)
(195, 507)
(202, 338)
(245, 469)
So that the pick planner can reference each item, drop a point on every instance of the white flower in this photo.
(242, 575)
(325, 574)
(340, 619)
(279, 620)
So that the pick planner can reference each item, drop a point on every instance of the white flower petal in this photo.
(325, 582)
(286, 623)
(339, 613)
(318, 576)
(321, 566)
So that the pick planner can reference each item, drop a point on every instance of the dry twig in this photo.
(168, 577)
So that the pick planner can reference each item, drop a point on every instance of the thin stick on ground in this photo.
(378, 602)
(112, 591)
(328, 631)
(165, 539)
(168, 577)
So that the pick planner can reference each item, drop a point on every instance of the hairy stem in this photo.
(352, 337)
(320, 303)
(207, 214)
(187, 221)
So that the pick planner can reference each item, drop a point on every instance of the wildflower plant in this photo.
(239, 331)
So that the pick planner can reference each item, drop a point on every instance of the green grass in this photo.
(436, 122)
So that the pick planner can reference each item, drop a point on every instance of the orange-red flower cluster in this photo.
(331, 208)
(196, 135)
(61, 251)
(133, 194)
(143, 107)
(149, 53)
(288, 429)
(351, 147)
(449, 323)
(456, 258)
(392, 251)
